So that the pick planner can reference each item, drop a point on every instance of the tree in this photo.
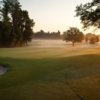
(74, 35)
(91, 38)
(16, 24)
(94, 39)
(89, 14)
(27, 29)
(88, 37)
(47, 35)
(5, 24)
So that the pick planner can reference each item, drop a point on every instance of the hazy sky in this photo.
(53, 15)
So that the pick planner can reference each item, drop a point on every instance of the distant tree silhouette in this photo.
(91, 38)
(97, 38)
(88, 36)
(74, 35)
(47, 35)
(16, 25)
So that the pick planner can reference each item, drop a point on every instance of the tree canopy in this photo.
(89, 14)
(47, 35)
(15, 24)
(74, 35)
(91, 38)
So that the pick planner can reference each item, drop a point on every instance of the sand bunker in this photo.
(3, 70)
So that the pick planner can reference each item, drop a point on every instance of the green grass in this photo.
(39, 53)
(48, 74)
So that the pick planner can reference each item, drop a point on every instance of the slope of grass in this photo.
(65, 78)
(46, 72)
(29, 52)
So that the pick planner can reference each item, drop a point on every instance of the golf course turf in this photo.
(49, 77)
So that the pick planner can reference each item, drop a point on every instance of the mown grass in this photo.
(39, 53)
(50, 77)
(66, 73)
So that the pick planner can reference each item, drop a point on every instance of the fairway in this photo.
(51, 70)
(49, 49)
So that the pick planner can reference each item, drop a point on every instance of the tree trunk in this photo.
(73, 43)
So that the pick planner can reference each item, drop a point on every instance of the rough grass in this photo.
(50, 74)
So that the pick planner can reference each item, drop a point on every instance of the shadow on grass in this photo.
(69, 71)
(44, 69)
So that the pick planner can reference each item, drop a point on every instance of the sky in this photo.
(53, 15)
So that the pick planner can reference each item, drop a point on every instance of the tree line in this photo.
(15, 24)
(89, 14)
(16, 27)
(74, 35)
(47, 35)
